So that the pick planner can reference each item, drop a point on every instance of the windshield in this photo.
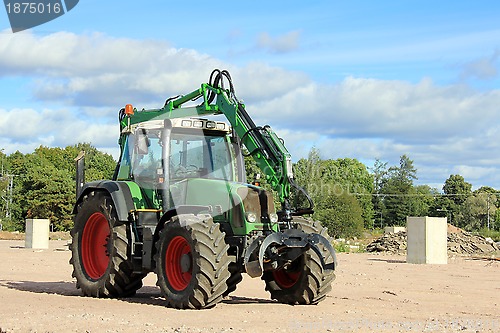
(205, 156)
(192, 155)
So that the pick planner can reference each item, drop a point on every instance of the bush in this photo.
(493, 234)
(10, 225)
(341, 214)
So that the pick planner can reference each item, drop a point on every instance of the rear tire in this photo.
(100, 248)
(192, 263)
(305, 281)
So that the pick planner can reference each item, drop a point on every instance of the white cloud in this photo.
(484, 68)
(440, 126)
(287, 42)
(257, 81)
(26, 129)
(445, 129)
(98, 70)
(423, 112)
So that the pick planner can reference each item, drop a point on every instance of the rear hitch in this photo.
(279, 249)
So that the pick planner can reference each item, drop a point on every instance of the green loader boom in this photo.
(262, 143)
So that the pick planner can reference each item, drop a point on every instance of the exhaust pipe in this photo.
(80, 173)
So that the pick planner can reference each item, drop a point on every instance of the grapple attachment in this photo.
(279, 249)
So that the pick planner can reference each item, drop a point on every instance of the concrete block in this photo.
(37, 234)
(427, 240)
(394, 230)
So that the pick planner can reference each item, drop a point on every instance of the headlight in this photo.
(273, 217)
(251, 217)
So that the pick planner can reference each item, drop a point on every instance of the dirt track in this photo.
(372, 293)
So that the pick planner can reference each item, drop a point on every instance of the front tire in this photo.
(304, 281)
(100, 250)
(192, 263)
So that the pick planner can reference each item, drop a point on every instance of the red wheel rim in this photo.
(94, 247)
(178, 263)
(285, 278)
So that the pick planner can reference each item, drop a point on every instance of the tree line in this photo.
(42, 184)
(349, 197)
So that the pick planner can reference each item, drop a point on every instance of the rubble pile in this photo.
(465, 243)
(460, 242)
(391, 242)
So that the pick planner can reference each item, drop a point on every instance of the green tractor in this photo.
(179, 205)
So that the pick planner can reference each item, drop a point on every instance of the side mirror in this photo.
(141, 142)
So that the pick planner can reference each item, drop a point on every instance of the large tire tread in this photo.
(210, 262)
(119, 280)
(315, 282)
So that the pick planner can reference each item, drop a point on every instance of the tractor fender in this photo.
(119, 192)
(178, 210)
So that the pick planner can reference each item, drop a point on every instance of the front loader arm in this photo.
(262, 143)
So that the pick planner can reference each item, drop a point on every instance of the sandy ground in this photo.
(372, 293)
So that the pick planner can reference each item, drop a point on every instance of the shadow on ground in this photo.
(146, 295)
(63, 288)
(390, 261)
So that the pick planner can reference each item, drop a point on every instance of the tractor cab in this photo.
(197, 148)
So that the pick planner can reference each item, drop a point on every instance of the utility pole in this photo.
(488, 209)
(8, 193)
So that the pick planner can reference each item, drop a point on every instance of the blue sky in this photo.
(359, 79)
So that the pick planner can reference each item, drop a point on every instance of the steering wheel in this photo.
(182, 171)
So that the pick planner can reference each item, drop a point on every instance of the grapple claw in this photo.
(286, 241)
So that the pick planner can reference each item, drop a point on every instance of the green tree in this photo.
(341, 214)
(333, 186)
(98, 165)
(6, 191)
(17, 166)
(442, 206)
(457, 189)
(423, 200)
(397, 189)
(307, 174)
(48, 192)
(354, 178)
(496, 225)
(379, 174)
(405, 173)
(4, 185)
(44, 182)
(476, 211)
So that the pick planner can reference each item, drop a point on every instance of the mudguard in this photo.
(120, 194)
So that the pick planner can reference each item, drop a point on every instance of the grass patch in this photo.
(493, 234)
(341, 247)
(349, 246)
